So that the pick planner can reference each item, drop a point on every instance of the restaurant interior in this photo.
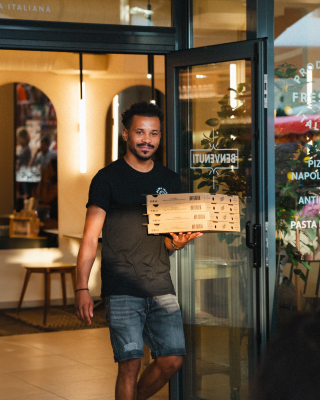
(111, 81)
(40, 93)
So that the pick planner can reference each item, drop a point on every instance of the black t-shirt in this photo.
(133, 263)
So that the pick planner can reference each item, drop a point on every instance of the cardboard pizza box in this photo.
(202, 226)
(164, 218)
(170, 208)
(225, 208)
(221, 217)
(205, 216)
(192, 198)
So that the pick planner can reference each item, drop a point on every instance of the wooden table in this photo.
(47, 269)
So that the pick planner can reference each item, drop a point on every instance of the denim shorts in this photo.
(154, 320)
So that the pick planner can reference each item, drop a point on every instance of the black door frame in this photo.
(86, 38)
(255, 51)
(94, 38)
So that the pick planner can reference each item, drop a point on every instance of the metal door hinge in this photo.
(265, 90)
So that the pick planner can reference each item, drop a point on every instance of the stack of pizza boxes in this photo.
(191, 212)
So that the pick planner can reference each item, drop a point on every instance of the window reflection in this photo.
(217, 22)
(215, 272)
(36, 163)
(297, 150)
(123, 12)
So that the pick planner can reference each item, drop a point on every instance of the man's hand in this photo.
(84, 306)
(181, 239)
(94, 221)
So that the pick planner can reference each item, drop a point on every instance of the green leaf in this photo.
(231, 238)
(311, 248)
(233, 90)
(213, 122)
(312, 233)
(306, 265)
(203, 184)
(301, 274)
(241, 86)
(221, 236)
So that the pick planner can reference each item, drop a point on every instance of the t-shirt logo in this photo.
(161, 190)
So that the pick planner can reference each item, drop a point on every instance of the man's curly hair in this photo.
(142, 109)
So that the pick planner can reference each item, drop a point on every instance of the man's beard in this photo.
(142, 157)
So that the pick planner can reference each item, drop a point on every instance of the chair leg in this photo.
(25, 284)
(47, 288)
(63, 285)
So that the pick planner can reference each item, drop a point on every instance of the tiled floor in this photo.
(71, 365)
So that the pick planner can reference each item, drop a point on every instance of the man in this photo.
(136, 284)
(43, 155)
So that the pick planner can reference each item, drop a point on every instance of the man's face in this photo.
(44, 147)
(143, 137)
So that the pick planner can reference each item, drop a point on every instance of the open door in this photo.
(214, 116)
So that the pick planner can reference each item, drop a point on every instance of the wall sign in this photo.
(306, 76)
(60, 11)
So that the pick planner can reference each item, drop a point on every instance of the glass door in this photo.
(214, 105)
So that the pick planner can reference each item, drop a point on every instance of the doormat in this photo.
(58, 319)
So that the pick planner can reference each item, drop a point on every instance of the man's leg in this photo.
(156, 375)
(126, 386)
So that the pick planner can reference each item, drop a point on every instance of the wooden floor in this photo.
(70, 365)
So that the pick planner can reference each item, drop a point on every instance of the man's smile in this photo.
(145, 146)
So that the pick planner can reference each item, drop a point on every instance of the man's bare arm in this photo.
(180, 240)
(87, 253)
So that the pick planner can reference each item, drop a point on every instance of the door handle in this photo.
(256, 244)
(248, 236)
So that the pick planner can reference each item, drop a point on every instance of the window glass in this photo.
(40, 99)
(123, 12)
(297, 149)
(215, 273)
(218, 21)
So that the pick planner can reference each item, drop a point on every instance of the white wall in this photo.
(63, 90)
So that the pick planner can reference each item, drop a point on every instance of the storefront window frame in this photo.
(90, 38)
(95, 38)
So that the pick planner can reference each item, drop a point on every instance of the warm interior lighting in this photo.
(233, 85)
(139, 10)
(115, 128)
(199, 76)
(83, 133)
(151, 75)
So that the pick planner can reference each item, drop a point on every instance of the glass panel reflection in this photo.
(215, 277)
(36, 174)
(120, 12)
(297, 147)
(217, 22)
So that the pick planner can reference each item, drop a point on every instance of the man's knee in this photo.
(129, 368)
(169, 364)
